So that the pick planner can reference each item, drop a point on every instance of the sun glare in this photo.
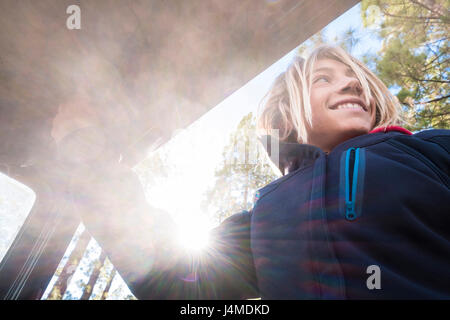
(193, 234)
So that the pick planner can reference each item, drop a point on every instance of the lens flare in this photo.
(193, 234)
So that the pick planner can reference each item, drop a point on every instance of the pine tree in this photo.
(414, 59)
(245, 168)
(415, 56)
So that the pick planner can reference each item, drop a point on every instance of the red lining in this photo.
(391, 128)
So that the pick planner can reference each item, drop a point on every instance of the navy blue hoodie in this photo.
(370, 220)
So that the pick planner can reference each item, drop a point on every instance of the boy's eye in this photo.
(321, 79)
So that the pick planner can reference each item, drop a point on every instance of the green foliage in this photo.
(414, 59)
(348, 40)
(415, 56)
(244, 170)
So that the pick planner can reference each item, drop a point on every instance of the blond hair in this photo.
(287, 108)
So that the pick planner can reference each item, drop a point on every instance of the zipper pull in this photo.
(350, 210)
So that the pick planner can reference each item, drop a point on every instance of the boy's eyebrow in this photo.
(323, 69)
(348, 71)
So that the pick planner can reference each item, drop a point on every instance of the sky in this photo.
(194, 154)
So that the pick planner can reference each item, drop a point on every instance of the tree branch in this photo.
(435, 10)
(422, 80)
(421, 19)
(435, 100)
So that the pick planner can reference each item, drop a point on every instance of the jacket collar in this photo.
(291, 156)
(294, 156)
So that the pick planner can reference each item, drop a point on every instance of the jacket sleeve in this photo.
(227, 270)
(224, 270)
(141, 243)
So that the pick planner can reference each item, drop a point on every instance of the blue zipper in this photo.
(350, 213)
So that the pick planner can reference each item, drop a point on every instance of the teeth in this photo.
(350, 106)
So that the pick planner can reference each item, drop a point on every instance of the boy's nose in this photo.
(351, 86)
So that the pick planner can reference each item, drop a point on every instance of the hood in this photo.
(291, 156)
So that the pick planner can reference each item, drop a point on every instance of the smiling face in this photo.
(338, 105)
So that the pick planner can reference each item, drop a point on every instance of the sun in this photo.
(193, 233)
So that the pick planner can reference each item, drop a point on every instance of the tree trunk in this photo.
(108, 285)
(70, 266)
(94, 277)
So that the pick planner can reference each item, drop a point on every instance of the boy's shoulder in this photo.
(429, 133)
(441, 137)
(431, 147)
(427, 141)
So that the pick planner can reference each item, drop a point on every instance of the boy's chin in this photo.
(354, 130)
(349, 133)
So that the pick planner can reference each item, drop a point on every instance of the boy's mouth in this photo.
(352, 104)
